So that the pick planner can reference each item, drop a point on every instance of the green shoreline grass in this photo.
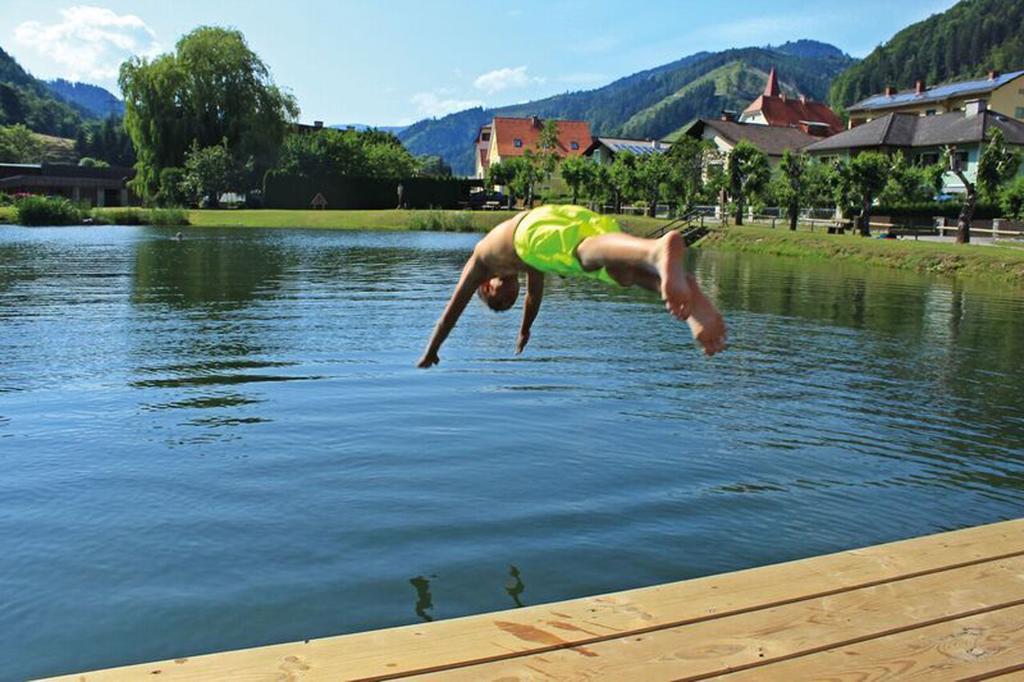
(989, 262)
(482, 221)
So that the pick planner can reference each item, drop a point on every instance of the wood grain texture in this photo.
(757, 640)
(392, 653)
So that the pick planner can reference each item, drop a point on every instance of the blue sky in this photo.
(391, 62)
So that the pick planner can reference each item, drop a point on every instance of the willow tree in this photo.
(211, 90)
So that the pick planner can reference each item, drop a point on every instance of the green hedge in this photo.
(295, 192)
(929, 210)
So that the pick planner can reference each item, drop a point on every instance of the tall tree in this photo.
(996, 165)
(622, 174)
(793, 169)
(576, 171)
(868, 173)
(686, 156)
(653, 172)
(213, 88)
(748, 172)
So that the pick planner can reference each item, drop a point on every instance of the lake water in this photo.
(222, 442)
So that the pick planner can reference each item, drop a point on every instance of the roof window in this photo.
(574, 145)
(518, 142)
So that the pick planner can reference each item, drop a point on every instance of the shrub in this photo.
(6, 199)
(168, 216)
(442, 221)
(1012, 199)
(141, 216)
(40, 210)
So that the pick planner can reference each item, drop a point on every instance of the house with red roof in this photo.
(506, 137)
(775, 108)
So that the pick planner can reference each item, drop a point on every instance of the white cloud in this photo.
(430, 104)
(89, 43)
(504, 79)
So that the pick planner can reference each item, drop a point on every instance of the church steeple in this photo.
(771, 89)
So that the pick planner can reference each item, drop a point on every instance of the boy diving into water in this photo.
(570, 240)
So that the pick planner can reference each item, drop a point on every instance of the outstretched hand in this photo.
(524, 338)
(429, 359)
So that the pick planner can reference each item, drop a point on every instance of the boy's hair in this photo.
(499, 298)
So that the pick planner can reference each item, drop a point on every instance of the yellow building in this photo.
(1003, 93)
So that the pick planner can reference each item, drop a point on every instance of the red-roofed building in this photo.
(507, 137)
(775, 108)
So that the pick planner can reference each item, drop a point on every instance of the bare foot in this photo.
(684, 298)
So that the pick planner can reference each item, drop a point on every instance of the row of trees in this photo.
(694, 171)
(207, 119)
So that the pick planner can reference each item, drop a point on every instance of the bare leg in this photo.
(658, 265)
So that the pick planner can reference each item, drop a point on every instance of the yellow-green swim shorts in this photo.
(546, 239)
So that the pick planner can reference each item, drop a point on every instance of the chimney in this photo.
(318, 124)
(803, 99)
(974, 107)
(783, 96)
(535, 121)
(889, 91)
(729, 115)
(919, 87)
(992, 75)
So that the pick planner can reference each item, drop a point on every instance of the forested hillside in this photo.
(967, 40)
(24, 99)
(652, 103)
(98, 101)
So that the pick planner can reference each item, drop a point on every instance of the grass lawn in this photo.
(991, 262)
(481, 221)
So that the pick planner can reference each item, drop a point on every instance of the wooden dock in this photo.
(943, 607)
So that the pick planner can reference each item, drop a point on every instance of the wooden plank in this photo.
(757, 639)
(385, 654)
(969, 648)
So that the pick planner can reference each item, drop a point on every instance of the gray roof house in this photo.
(604, 149)
(772, 140)
(923, 138)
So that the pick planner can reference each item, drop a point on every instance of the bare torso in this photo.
(497, 250)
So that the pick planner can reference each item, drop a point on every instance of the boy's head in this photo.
(499, 293)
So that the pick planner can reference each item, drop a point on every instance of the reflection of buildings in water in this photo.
(514, 585)
(424, 600)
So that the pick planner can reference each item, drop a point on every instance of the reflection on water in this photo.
(424, 600)
(223, 439)
(514, 585)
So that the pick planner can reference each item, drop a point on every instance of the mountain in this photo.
(650, 104)
(25, 99)
(97, 101)
(966, 40)
(364, 126)
(811, 49)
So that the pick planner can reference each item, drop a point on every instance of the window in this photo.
(960, 161)
(574, 145)
(1019, 113)
(927, 159)
(518, 142)
(930, 112)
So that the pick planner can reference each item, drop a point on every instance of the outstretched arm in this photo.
(473, 275)
(534, 295)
